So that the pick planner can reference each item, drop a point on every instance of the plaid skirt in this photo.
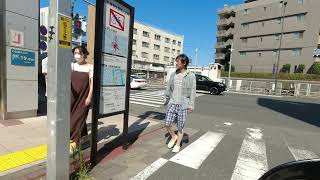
(176, 114)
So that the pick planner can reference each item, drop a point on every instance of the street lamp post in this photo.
(279, 49)
(230, 65)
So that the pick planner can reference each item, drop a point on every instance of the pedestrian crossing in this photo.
(250, 163)
(151, 99)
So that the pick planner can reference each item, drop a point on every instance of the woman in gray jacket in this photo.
(180, 96)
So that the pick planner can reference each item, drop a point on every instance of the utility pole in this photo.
(230, 64)
(59, 70)
(196, 63)
(279, 49)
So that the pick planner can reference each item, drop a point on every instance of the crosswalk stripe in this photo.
(301, 153)
(148, 171)
(145, 104)
(252, 159)
(151, 93)
(194, 154)
(142, 100)
(149, 96)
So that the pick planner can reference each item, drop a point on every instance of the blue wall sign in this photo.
(22, 58)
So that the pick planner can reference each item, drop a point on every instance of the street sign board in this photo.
(112, 65)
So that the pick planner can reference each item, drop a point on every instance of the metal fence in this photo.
(267, 87)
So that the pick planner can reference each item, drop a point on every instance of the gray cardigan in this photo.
(188, 90)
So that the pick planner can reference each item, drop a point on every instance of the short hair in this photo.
(83, 50)
(184, 59)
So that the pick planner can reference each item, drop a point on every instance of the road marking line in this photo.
(194, 155)
(20, 158)
(151, 97)
(142, 100)
(228, 123)
(145, 104)
(301, 153)
(148, 171)
(253, 94)
(151, 93)
(252, 160)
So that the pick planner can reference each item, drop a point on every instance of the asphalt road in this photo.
(231, 136)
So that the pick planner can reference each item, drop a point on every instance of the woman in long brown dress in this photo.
(81, 94)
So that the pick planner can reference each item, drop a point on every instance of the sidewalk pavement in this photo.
(23, 141)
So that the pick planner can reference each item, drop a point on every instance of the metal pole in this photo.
(196, 63)
(230, 65)
(279, 49)
(59, 90)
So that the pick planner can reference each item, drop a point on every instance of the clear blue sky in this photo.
(196, 20)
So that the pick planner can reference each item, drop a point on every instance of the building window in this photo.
(179, 43)
(134, 42)
(243, 53)
(300, 1)
(279, 20)
(144, 55)
(244, 40)
(245, 26)
(265, 9)
(135, 31)
(173, 51)
(300, 17)
(246, 12)
(145, 44)
(262, 24)
(157, 37)
(275, 53)
(296, 52)
(298, 35)
(178, 52)
(261, 39)
(174, 42)
(134, 53)
(156, 56)
(277, 36)
(146, 34)
(166, 49)
(259, 54)
(167, 40)
(166, 58)
(156, 47)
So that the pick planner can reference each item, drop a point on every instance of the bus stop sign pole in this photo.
(59, 72)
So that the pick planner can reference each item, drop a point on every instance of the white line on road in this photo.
(145, 104)
(228, 123)
(193, 155)
(151, 93)
(252, 160)
(148, 96)
(146, 101)
(148, 171)
(301, 153)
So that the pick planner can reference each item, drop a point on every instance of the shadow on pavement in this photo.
(154, 115)
(306, 112)
(135, 130)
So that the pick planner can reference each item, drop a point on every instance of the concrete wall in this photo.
(19, 81)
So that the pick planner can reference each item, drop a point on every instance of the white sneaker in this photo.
(172, 141)
(176, 148)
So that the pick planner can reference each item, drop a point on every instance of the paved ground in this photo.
(230, 137)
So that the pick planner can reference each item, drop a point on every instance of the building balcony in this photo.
(226, 22)
(222, 33)
(226, 10)
(220, 45)
(220, 56)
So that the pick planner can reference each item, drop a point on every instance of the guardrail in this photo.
(267, 87)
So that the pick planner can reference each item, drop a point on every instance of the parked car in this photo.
(137, 82)
(206, 84)
(140, 75)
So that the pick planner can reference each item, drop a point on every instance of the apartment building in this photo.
(153, 49)
(254, 30)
